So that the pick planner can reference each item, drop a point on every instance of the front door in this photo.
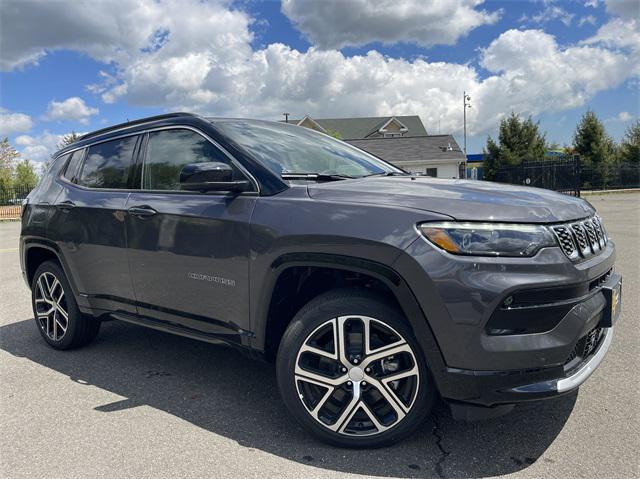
(188, 251)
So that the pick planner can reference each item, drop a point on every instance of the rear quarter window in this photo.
(108, 164)
(71, 171)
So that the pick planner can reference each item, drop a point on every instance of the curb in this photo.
(609, 192)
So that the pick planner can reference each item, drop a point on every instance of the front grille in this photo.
(585, 346)
(581, 239)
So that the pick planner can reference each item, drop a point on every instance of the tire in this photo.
(328, 392)
(52, 299)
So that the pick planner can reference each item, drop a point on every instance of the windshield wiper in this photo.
(314, 177)
(388, 173)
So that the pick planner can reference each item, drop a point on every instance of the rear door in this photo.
(189, 251)
(89, 223)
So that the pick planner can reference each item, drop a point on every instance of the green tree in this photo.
(25, 178)
(8, 156)
(629, 150)
(68, 139)
(518, 140)
(334, 133)
(596, 149)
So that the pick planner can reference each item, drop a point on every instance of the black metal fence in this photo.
(566, 175)
(611, 176)
(559, 174)
(11, 201)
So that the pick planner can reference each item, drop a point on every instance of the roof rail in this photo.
(134, 123)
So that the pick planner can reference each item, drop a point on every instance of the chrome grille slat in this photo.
(581, 239)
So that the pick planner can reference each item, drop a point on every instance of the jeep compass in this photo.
(373, 290)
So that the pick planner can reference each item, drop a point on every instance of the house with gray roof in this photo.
(400, 140)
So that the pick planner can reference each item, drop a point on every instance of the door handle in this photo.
(142, 211)
(66, 206)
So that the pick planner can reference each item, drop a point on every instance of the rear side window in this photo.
(169, 150)
(108, 164)
(71, 171)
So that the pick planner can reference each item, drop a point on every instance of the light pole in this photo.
(286, 117)
(465, 99)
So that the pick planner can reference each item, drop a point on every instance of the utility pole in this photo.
(286, 117)
(465, 99)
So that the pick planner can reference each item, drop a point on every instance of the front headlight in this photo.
(488, 239)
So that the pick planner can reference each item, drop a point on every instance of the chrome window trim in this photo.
(142, 132)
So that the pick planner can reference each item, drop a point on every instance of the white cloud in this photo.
(589, 19)
(71, 109)
(197, 56)
(339, 23)
(38, 148)
(553, 12)
(11, 122)
(618, 33)
(622, 117)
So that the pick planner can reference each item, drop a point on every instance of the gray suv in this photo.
(375, 291)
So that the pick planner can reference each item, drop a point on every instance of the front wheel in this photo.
(352, 373)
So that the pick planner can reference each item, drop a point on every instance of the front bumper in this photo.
(484, 368)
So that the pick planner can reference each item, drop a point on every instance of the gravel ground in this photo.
(140, 403)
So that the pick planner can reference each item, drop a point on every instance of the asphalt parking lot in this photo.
(141, 403)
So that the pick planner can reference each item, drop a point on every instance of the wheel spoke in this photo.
(42, 289)
(367, 329)
(53, 287)
(342, 343)
(310, 349)
(62, 312)
(390, 397)
(330, 390)
(55, 325)
(346, 414)
(401, 375)
(323, 380)
(61, 326)
(383, 353)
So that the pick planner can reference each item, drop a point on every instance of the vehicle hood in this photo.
(464, 200)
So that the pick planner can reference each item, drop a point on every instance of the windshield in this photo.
(287, 149)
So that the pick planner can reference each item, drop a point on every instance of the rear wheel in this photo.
(351, 371)
(56, 312)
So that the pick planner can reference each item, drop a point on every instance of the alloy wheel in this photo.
(356, 376)
(51, 306)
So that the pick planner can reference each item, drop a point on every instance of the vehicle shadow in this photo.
(219, 390)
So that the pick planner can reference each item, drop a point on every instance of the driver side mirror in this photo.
(210, 176)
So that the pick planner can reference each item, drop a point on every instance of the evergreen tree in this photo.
(596, 150)
(518, 141)
(629, 150)
(68, 139)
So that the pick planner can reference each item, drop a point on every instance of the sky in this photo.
(79, 65)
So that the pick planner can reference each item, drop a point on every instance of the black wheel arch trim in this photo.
(386, 274)
(29, 243)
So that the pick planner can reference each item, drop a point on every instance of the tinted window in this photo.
(169, 150)
(108, 164)
(72, 167)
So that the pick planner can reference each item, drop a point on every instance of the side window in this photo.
(71, 171)
(108, 164)
(169, 150)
